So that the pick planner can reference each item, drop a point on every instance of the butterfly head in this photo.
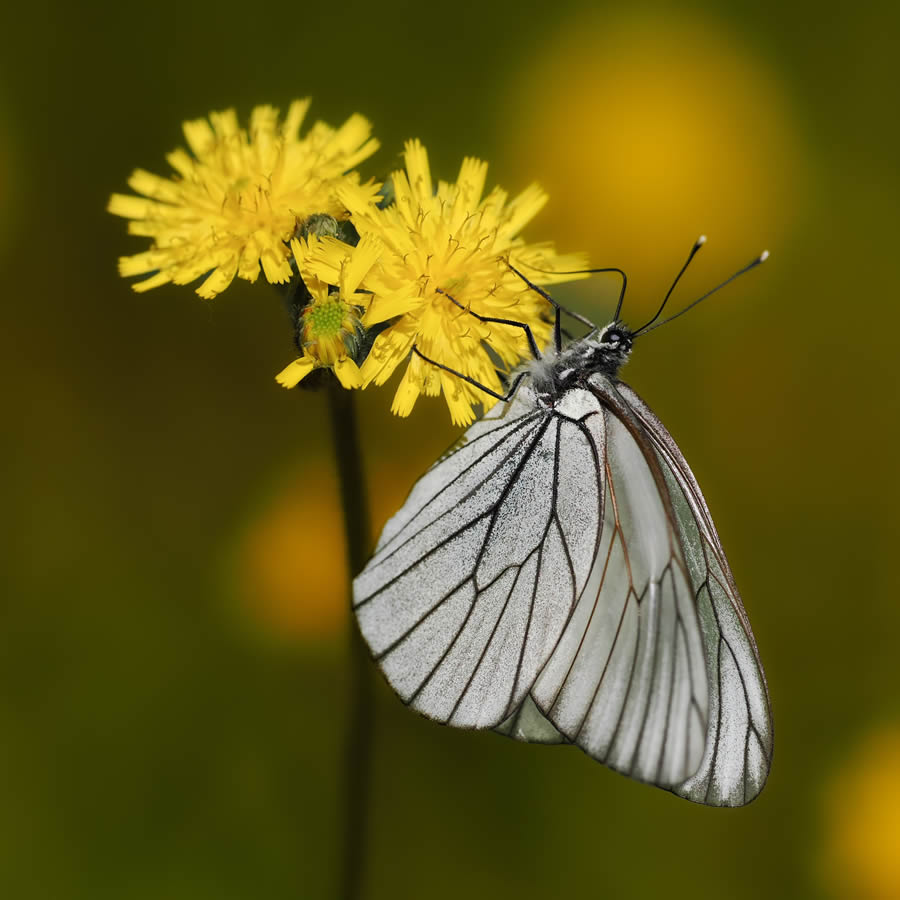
(616, 338)
(607, 352)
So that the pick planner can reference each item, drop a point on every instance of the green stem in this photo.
(358, 746)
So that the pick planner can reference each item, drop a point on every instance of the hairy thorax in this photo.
(557, 373)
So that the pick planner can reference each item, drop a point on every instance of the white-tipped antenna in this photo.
(697, 245)
(759, 259)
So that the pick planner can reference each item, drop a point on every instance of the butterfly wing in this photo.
(475, 577)
(533, 582)
(737, 745)
(739, 740)
(626, 682)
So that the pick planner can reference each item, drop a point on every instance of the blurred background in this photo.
(172, 647)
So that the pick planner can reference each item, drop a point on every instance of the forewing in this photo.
(497, 423)
(739, 740)
(627, 680)
(475, 577)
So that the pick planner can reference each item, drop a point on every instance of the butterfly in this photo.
(557, 576)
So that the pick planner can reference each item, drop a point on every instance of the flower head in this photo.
(232, 206)
(448, 252)
(330, 328)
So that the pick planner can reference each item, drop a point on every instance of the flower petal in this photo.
(389, 350)
(523, 208)
(406, 395)
(541, 264)
(419, 173)
(348, 373)
(219, 279)
(321, 257)
(294, 119)
(461, 412)
(386, 306)
(357, 266)
(472, 175)
(292, 374)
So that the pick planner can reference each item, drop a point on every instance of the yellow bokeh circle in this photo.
(650, 131)
(861, 858)
(289, 566)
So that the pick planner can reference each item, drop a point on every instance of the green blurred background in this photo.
(172, 652)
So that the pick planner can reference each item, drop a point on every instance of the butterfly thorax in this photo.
(558, 373)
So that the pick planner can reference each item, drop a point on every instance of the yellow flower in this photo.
(330, 326)
(454, 242)
(232, 207)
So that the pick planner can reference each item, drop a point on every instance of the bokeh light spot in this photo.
(289, 566)
(862, 851)
(649, 131)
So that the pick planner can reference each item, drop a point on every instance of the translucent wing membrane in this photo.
(627, 680)
(739, 741)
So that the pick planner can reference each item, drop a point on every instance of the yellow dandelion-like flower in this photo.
(450, 241)
(330, 325)
(233, 205)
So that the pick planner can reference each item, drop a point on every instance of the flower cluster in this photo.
(402, 274)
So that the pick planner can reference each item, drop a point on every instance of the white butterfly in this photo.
(557, 577)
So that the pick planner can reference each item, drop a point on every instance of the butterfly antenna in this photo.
(759, 259)
(621, 299)
(694, 250)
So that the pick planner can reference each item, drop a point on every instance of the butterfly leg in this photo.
(557, 309)
(532, 343)
(577, 316)
(507, 396)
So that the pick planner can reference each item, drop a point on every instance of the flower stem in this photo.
(358, 746)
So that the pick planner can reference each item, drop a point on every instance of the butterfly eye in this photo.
(612, 336)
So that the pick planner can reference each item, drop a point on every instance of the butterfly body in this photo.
(555, 373)
(557, 577)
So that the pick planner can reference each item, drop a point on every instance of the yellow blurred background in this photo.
(173, 681)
